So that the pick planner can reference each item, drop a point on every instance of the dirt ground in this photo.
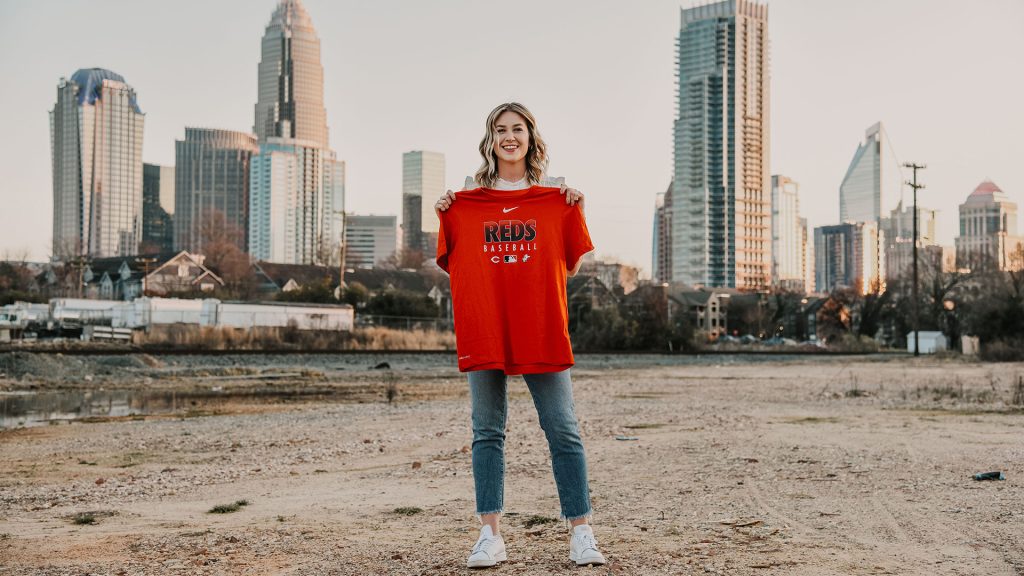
(732, 465)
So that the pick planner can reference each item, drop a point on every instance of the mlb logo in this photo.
(510, 259)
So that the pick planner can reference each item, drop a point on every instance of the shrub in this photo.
(402, 303)
(1009, 350)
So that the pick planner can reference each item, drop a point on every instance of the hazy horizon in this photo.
(403, 75)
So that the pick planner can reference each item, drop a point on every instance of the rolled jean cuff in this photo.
(588, 516)
(480, 515)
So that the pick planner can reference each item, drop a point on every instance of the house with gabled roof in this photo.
(127, 277)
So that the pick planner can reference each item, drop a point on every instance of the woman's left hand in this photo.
(572, 196)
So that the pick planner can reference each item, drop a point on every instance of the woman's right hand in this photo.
(444, 202)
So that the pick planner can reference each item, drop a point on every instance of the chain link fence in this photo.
(404, 322)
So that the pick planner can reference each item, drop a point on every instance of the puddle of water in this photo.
(41, 408)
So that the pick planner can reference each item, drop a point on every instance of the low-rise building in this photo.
(369, 240)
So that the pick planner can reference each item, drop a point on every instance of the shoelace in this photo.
(588, 541)
(483, 543)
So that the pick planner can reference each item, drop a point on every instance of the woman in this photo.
(513, 173)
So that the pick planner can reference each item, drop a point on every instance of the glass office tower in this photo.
(721, 208)
(212, 188)
(96, 130)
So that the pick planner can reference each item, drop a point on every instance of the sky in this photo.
(404, 75)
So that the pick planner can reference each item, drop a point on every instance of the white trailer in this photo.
(144, 312)
(931, 342)
(75, 312)
(302, 316)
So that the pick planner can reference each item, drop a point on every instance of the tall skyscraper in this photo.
(661, 245)
(873, 178)
(369, 239)
(290, 101)
(297, 185)
(96, 132)
(212, 188)
(849, 256)
(988, 231)
(157, 209)
(721, 229)
(422, 185)
(787, 248)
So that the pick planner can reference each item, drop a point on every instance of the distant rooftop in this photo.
(987, 191)
(290, 13)
(91, 82)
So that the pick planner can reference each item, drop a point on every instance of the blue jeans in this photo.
(552, 395)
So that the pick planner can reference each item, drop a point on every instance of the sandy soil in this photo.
(740, 466)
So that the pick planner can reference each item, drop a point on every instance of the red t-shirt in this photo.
(507, 253)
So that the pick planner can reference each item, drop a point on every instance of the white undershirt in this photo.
(502, 184)
(521, 184)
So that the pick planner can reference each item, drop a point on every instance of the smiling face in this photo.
(511, 146)
(511, 137)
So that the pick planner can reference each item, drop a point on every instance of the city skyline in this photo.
(909, 77)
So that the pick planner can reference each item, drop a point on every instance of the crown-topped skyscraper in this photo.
(290, 100)
(297, 187)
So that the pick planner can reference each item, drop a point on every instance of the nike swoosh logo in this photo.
(463, 357)
(507, 210)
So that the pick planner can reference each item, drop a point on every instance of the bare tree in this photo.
(68, 262)
(404, 258)
(222, 243)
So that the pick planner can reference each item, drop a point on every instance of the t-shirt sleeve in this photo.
(443, 243)
(575, 236)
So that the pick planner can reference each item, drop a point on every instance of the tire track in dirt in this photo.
(956, 540)
(758, 500)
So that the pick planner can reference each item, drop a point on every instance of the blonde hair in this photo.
(536, 153)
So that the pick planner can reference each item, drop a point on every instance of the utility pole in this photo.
(913, 184)
(81, 263)
(145, 270)
(344, 250)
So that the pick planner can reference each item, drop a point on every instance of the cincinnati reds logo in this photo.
(510, 231)
(510, 236)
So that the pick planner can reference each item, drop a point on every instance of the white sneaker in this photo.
(488, 550)
(583, 547)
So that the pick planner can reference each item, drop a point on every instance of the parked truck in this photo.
(23, 319)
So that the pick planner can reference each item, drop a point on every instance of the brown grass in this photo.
(372, 338)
